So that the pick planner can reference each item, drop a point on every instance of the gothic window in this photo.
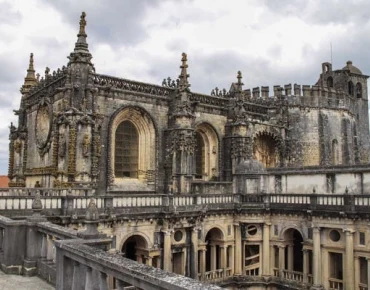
(350, 88)
(329, 82)
(358, 90)
(335, 152)
(126, 151)
(199, 156)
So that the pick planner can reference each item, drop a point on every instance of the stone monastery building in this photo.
(253, 188)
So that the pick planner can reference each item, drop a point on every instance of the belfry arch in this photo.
(132, 149)
(206, 152)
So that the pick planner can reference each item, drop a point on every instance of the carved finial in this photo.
(30, 67)
(82, 24)
(36, 204)
(346, 191)
(47, 71)
(81, 52)
(239, 83)
(92, 213)
(184, 83)
(30, 79)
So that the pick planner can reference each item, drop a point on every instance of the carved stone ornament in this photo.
(86, 145)
(43, 126)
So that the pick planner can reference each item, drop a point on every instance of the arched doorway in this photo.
(135, 248)
(293, 250)
(214, 240)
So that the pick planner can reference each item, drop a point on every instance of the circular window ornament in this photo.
(178, 236)
(251, 230)
(334, 235)
(43, 126)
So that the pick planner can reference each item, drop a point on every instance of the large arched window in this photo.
(199, 156)
(126, 151)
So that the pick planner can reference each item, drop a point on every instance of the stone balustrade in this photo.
(20, 205)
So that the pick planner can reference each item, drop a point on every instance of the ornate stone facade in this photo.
(239, 181)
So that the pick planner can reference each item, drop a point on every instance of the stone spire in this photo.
(30, 79)
(184, 83)
(81, 52)
(81, 44)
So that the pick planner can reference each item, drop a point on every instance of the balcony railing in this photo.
(335, 284)
(60, 202)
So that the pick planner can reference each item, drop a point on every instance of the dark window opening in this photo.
(350, 88)
(126, 151)
(358, 90)
(330, 82)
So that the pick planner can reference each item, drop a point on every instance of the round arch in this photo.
(135, 247)
(147, 151)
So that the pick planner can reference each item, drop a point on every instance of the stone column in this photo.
(213, 257)
(103, 283)
(167, 265)
(194, 253)
(368, 273)
(50, 245)
(202, 260)
(223, 258)
(317, 283)
(305, 265)
(44, 247)
(348, 266)
(290, 257)
(231, 260)
(149, 260)
(1, 239)
(88, 279)
(238, 251)
(266, 250)
(281, 260)
(357, 271)
(77, 282)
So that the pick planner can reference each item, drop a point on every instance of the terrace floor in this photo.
(12, 282)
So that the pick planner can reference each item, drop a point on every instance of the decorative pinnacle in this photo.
(30, 79)
(239, 84)
(82, 25)
(81, 44)
(184, 83)
(30, 67)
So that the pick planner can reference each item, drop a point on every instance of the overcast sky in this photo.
(271, 42)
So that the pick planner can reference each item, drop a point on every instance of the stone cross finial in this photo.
(184, 84)
(82, 24)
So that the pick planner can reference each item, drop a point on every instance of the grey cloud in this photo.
(8, 15)
(322, 12)
(113, 21)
